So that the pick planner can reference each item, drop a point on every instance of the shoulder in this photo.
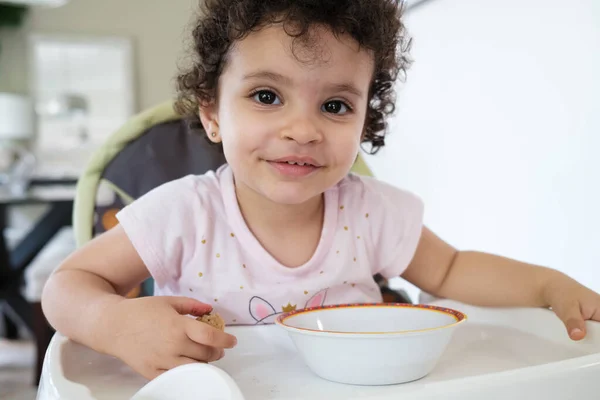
(205, 188)
(394, 218)
(367, 192)
(183, 198)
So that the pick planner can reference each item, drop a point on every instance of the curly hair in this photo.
(374, 24)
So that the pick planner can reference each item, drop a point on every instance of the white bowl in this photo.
(371, 344)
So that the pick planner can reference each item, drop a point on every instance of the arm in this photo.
(93, 278)
(488, 280)
(84, 300)
(476, 278)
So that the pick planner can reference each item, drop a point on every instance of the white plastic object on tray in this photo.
(497, 354)
(209, 382)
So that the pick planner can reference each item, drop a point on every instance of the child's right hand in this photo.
(153, 334)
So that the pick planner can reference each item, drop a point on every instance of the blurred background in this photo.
(71, 73)
(497, 126)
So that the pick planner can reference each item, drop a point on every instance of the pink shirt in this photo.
(192, 237)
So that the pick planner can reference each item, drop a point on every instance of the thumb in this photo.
(571, 316)
(189, 306)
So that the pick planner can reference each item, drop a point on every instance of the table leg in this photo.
(13, 265)
(6, 278)
(58, 216)
(10, 329)
(18, 310)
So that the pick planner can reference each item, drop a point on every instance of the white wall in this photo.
(498, 129)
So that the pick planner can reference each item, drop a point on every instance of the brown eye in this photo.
(335, 107)
(267, 97)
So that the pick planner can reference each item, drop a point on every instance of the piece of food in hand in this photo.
(214, 320)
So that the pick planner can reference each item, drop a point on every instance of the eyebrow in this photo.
(348, 88)
(276, 77)
(272, 76)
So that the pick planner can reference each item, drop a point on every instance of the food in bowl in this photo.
(371, 344)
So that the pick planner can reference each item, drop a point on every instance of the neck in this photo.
(280, 217)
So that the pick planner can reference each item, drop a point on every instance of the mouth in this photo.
(298, 160)
(295, 166)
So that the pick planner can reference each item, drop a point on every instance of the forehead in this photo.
(317, 51)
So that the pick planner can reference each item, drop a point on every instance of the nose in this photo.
(302, 131)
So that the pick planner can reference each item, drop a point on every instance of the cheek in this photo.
(344, 150)
(241, 138)
(238, 119)
(247, 131)
(349, 141)
(349, 151)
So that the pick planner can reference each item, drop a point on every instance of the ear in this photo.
(210, 121)
(260, 309)
(317, 300)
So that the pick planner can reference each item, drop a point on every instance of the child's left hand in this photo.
(573, 303)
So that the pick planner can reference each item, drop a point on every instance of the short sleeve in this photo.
(161, 225)
(396, 226)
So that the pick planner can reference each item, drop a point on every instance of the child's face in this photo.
(276, 106)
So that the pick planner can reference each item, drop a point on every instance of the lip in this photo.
(298, 159)
(293, 171)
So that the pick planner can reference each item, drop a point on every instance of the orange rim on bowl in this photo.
(458, 316)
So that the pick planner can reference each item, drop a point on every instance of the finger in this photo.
(201, 352)
(207, 335)
(571, 316)
(590, 307)
(596, 314)
(188, 306)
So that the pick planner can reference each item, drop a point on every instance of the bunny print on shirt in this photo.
(264, 313)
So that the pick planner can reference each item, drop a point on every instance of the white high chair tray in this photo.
(497, 354)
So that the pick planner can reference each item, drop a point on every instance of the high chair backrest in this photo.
(154, 147)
